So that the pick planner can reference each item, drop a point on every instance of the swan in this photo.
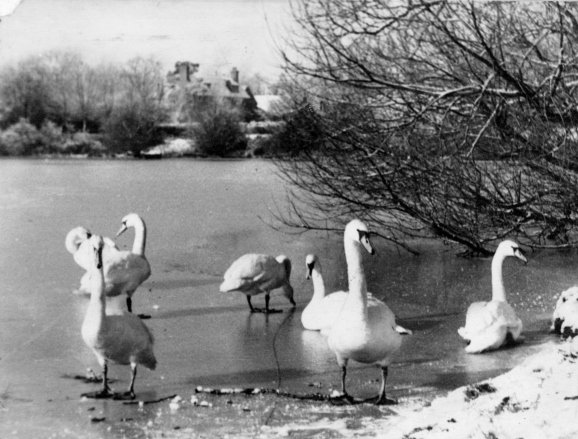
(76, 242)
(322, 310)
(122, 338)
(365, 330)
(565, 316)
(253, 274)
(124, 270)
(490, 325)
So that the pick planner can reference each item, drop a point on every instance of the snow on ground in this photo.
(537, 399)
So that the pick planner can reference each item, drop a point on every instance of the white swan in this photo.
(565, 316)
(322, 310)
(253, 274)
(365, 330)
(121, 338)
(76, 242)
(490, 325)
(124, 270)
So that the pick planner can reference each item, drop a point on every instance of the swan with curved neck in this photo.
(253, 274)
(322, 310)
(121, 338)
(490, 325)
(124, 270)
(365, 330)
(76, 242)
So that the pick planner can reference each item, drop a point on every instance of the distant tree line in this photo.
(449, 119)
(57, 103)
(57, 99)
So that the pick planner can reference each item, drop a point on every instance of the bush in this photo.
(22, 138)
(83, 143)
(219, 133)
(131, 128)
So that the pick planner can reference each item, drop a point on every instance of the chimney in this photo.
(235, 74)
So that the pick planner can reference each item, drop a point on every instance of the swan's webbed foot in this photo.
(144, 316)
(265, 310)
(343, 399)
(101, 394)
(382, 400)
(124, 396)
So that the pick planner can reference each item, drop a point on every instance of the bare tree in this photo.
(442, 118)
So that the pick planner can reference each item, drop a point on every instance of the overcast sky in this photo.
(218, 34)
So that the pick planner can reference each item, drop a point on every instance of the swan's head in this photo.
(76, 237)
(97, 243)
(130, 220)
(311, 262)
(511, 248)
(357, 231)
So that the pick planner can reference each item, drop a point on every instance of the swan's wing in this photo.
(485, 316)
(251, 271)
(124, 271)
(127, 337)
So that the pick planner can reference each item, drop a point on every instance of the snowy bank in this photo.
(537, 399)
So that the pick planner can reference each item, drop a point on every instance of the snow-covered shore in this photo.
(537, 399)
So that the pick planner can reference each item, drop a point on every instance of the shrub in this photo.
(22, 138)
(83, 143)
(218, 132)
(132, 128)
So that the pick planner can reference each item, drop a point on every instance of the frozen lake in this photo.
(201, 215)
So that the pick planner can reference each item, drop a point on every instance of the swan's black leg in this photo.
(129, 303)
(105, 392)
(267, 309)
(381, 398)
(251, 307)
(129, 394)
(344, 398)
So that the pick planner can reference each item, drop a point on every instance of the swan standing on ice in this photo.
(565, 317)
(121, 338)
(490, 325)
(124, 270)
(253, 274)
(322, 310)
(365, 330)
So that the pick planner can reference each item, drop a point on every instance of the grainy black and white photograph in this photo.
(288, 219)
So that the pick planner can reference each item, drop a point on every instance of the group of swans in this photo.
(124, 270)
(117, 335)
(356, 324)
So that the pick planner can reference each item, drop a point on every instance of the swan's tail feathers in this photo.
(229, 285)
(403, 331)
(282, 259)
(464, 333)
(148, 359)
(288, 293)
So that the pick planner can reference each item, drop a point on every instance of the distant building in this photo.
(188, 94)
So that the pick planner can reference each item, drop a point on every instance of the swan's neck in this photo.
(498, 289)
(318, 285)
(357, 297)
(97, 295)
(140, 236)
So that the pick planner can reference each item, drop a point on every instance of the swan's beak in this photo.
(98, 258)
(309, 271)
(520, 255)
(121, 230)
(368, 246)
